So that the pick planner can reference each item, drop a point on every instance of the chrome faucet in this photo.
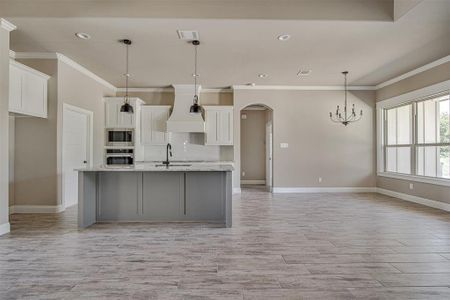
(168, 151)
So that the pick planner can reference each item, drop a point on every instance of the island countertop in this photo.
(175, 166)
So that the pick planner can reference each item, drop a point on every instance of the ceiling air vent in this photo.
(188, 35)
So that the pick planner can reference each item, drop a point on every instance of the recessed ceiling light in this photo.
(262, 75)
(82, 35)
(303, 72)
(284, 37)
(251, 84)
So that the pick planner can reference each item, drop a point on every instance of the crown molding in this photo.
(35, 55)
(62, 58)
(304, 87)
(171, 90)
(8, 26)
(421, 69)
(83, 70)
(148, 90)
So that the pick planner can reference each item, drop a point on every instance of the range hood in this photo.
(181, 120)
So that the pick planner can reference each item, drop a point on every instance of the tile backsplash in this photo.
(189, 147)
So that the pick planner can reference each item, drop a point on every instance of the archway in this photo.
(256, 146)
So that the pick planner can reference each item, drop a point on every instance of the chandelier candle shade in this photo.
(195, 108)
(345, 117)
(126, 107)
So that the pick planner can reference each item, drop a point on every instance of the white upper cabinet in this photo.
(219, 125)
(116, 119)
(27, 90)
(153, 124)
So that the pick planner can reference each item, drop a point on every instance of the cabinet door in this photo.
(112, 114)
(34, 94)
(126, 120)
(212, 122)
(163, 196)
(225, 130)
(15, 89)
(153, 125)
(120, 196)
(205, 199)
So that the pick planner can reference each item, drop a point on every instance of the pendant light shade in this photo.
(126, 107)
(195, 107)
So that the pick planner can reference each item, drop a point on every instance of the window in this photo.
(433, 137)
(399, 139)
(417, 138)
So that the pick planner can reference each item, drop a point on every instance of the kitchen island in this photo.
(149, 192)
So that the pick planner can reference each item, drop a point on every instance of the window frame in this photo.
(411, 98)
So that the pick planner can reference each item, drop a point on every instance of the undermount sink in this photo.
(173, 165)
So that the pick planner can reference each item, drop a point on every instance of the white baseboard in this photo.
(253, 181)
(237, 190)
(35, 209)
(5, 228)
(415, 199)
(325, 190)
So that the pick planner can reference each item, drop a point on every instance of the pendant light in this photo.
(195, 108)
(344, 118)
(126, 107)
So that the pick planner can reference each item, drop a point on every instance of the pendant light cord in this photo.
(126, 75)
(195, 72)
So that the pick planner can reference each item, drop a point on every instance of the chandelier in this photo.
(345, 117)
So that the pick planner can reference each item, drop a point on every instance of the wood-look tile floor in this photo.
(285, 246)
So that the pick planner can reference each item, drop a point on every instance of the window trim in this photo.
(404, 99)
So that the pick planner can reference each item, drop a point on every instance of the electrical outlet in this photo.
(243, 173)
(284, 145)
(320, 179)
(411, 186)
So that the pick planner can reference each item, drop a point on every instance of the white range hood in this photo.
(181, 120)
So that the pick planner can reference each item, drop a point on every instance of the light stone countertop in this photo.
(175, 166)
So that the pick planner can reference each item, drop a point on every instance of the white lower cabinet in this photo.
(153, 124)
(27, 90)
(219, 125)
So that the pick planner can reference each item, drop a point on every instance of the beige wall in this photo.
(12, 125)
(38, 142)
(418, 81)
(342, 156)
(167, 98)
(35, 149)
(77, 89)
(4, 124)
(253, 148)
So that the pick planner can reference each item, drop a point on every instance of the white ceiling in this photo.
(235, 51)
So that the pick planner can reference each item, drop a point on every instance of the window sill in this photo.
(423, 179)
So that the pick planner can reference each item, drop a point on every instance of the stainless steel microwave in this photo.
(119, 157)
(120, 137)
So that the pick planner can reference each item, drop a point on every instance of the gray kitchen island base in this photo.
(152, 196)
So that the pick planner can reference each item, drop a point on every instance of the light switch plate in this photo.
(243, 116)
(411, 186)
(284, 145)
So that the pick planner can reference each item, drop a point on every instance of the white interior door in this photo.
(269, 156)
(76, 153)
